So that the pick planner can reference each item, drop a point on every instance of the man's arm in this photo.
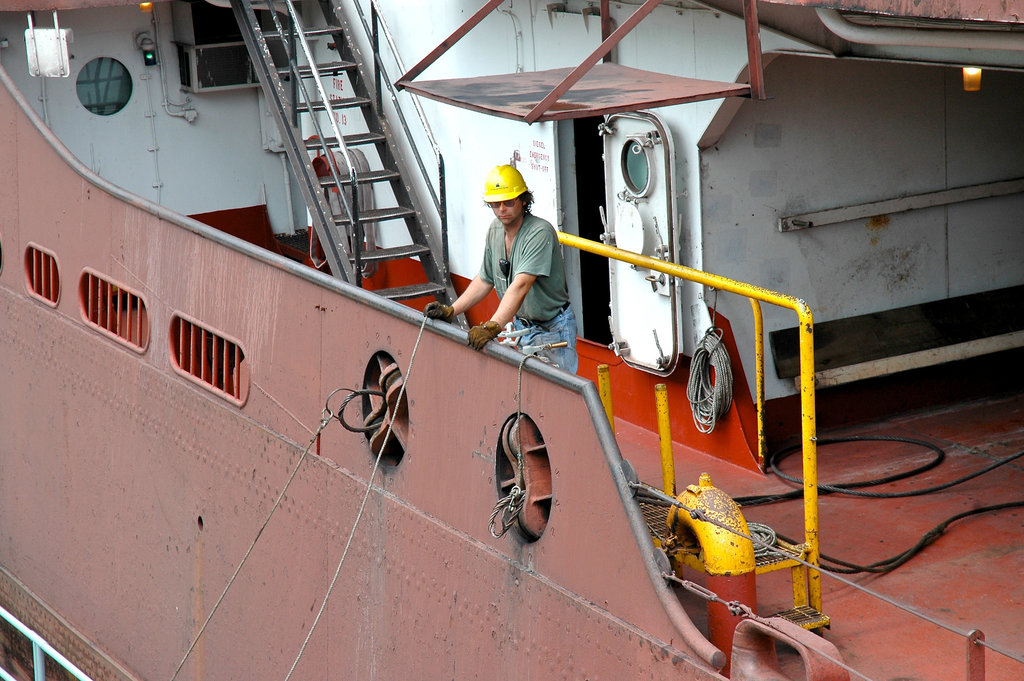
(474, 293)
(513, 298)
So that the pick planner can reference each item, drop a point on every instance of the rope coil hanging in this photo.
(710, 394)
(511, 505)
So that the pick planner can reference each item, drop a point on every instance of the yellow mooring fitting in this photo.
(722, 552)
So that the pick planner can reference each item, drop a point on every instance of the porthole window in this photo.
(104, 86)
(636, 169)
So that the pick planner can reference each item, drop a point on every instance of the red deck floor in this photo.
(970, 578)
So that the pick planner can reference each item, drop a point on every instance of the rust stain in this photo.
(879, 222)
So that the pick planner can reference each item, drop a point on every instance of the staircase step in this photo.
(395, 253)
(368, 176)
(265, 47)
(309, 33)
(785, 556)
(805, 616)
(413, 291)
(378, 215)
(327, 69)
(350, 140)
(343, 103)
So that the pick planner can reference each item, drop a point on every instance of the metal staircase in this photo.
(337, 180)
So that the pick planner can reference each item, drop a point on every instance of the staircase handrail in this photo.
(323, 218)
(353, 209)
(382, 77)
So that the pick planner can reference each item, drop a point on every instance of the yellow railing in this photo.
(756, 294)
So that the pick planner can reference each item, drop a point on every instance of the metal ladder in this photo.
(293, 82)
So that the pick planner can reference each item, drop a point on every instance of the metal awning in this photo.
(606, 88)
(590, 89)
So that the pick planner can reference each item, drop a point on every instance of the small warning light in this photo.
(146, 6)
(147, 47)
(972, 79)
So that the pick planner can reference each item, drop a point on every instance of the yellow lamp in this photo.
(146, 6)
(972, 79)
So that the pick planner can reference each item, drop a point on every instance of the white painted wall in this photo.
(839, 133)
(833, 133)
(523, 35)
(213, 163)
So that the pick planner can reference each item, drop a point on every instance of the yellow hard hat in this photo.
(503, 183)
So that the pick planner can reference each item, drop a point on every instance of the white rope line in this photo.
(325, 419)
(362, 506)
(282, 407)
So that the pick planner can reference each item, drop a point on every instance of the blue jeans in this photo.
(561, 328)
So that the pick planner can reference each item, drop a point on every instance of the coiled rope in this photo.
(765, 539)
(710, 394)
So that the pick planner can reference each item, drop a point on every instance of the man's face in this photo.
(509, 212)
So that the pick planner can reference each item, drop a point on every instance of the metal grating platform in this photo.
(805, 616)
(782, 554)
(655, 516)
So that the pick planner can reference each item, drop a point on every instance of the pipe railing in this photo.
(755, 294)
(378, 26)
(40, 651)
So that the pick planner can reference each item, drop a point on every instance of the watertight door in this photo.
(640, 195)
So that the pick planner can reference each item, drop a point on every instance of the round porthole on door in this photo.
(522, 462)
(636, 167)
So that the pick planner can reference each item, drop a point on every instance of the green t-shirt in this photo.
(535, 251)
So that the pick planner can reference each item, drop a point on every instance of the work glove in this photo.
(437, 310)
(479, 335)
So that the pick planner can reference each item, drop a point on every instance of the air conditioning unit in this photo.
(217, 66)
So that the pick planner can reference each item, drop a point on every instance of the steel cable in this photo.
(851, 488)
(844, 567)
(362, 506)
(889, 564)
(710, 394)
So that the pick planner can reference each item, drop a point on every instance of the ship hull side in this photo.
(131, 492)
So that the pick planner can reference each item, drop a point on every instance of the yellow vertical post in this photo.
(810, 453)
(807, 397)
(759, 371)
(604, 388)
(668, 466)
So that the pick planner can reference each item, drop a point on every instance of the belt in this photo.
(534, 322)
